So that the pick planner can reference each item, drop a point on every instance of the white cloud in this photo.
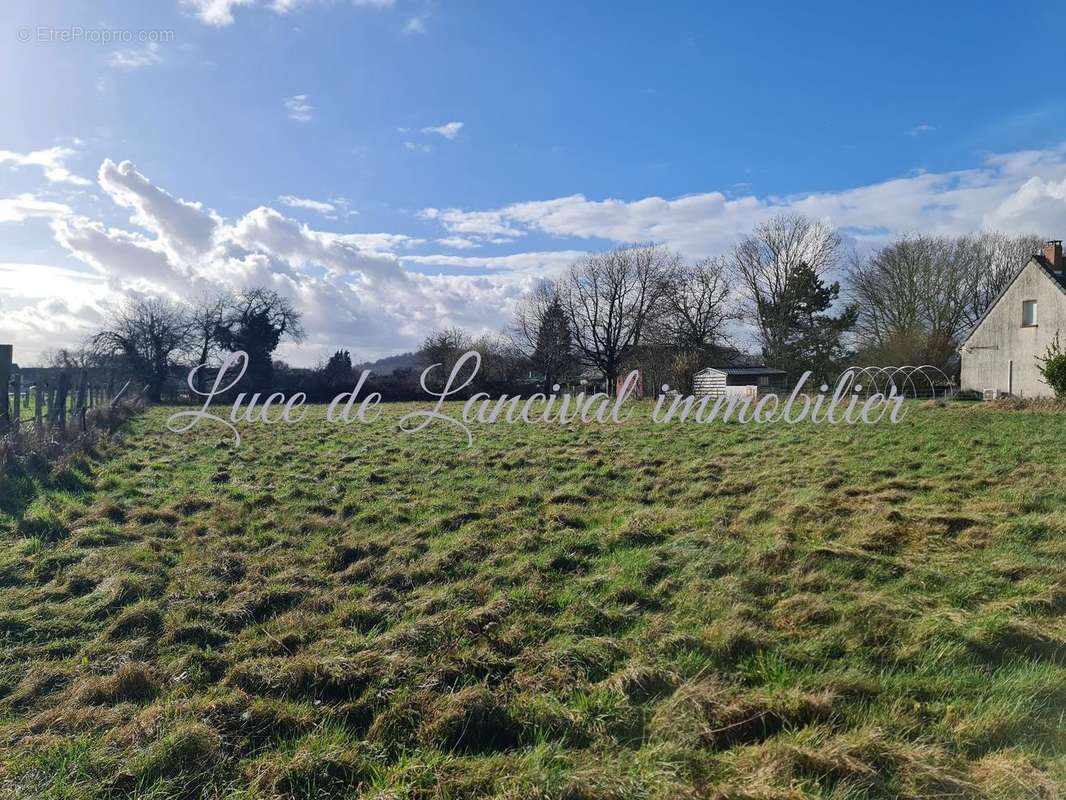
(37, 281)
(458, 242)
(136, 58)
(479, 223)
(266, 230)
(25, 206)
(322, 207)
(299, 108)
(1037, 205)
(287, 6)
(351, 288)
(380, 242)
(924, 128)
(535, 263)
(45, 307)
(184, 229)
(128, 259)
(998, 194)
(220, 12)
(415, 25)
(50, 160)
(215, 12)
(420, 148)
(330, 209)
(449, 130)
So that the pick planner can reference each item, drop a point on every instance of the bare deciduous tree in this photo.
(502, 363)
(698, 305)
(690, 333)
(912, 297)
(147, 334)
(998, 258)
(206, 318)
(612, 298)
(766, 264)
(72, 358)
(919, 295)
(542, 332)
(443, 347)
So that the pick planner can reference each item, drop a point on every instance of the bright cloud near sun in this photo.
(26, 206)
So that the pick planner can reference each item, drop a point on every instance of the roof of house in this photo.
(744, 370)
(1057, 277)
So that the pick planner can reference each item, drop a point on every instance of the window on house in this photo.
(1028, 313)
(764, 380)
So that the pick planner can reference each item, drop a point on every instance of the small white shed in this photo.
(717, 381)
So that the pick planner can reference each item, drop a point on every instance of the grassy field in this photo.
(722, 611)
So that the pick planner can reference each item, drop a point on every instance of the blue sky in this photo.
(395, 165)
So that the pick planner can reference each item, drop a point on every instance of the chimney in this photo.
(1053, 253)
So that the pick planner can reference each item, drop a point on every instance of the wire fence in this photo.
(54, 405)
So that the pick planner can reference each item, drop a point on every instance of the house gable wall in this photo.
(1001, 353)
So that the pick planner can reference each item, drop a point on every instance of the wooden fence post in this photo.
(79, 400)
(59, 417)
(38, 404)
(64, 391)
(5, 380)
(16, 415)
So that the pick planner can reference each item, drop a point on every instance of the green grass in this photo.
(721, 611)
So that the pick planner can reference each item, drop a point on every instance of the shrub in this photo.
(1054, 372)
(1053, 368)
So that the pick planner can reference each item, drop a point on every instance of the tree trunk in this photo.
(201, 378)
(155, 391)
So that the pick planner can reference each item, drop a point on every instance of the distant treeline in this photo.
(909, 302)
(643, 307)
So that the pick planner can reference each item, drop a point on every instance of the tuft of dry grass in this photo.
(132, 683)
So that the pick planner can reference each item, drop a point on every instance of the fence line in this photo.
(50, 406)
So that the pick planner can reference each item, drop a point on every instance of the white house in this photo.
(1000, 354)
